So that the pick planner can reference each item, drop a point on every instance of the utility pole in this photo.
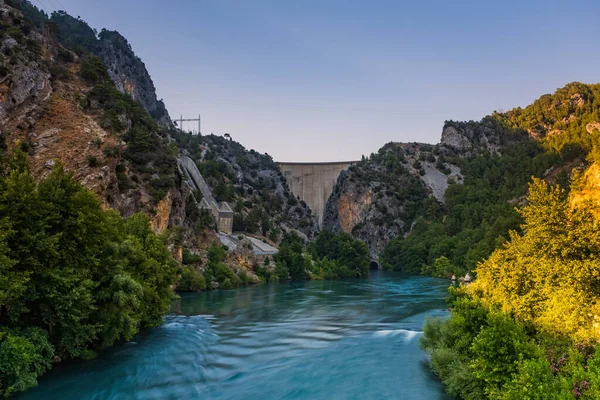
(182, 120)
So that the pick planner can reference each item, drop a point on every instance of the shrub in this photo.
(499, 349)
(191, 280)
(93, 70)
(15, 33)
(190, 258)
(92, 161)
(24, 355)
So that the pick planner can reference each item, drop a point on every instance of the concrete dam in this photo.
(313, 182)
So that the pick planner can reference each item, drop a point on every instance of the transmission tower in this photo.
(182, 120)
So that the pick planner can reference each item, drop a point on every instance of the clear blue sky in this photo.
(324, 80)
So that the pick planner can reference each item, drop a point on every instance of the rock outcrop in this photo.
(452, 137)
(127, 71)
(378, 199)
(252, 184)
(49, 109)
(130, 74)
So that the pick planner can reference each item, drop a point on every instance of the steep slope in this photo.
(252, 183)
(63, 108)
(377, 199)
(127, 71)
(130, 74)
(498, 156)
(382, 200)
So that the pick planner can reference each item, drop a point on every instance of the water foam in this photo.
(408, 334)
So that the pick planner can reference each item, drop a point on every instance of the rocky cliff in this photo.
(69, 96)
(252, 183)
(127, 71)
(62, 107)
(383, 196)
(378, 199)
(130, 74)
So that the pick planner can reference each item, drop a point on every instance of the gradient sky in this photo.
(325, 80)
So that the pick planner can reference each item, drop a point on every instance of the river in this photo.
(354, 339)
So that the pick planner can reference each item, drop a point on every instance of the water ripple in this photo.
(317, 340)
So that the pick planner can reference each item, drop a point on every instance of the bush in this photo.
(93, 70)
(191, 280)
(15, 33)
(190, 258)
(499, 349)
(92, 161)
(24, 356)
(101, 282)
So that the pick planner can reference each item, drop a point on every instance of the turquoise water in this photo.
(354, 339)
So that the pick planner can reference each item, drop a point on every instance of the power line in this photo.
(41, 3)
(52, 4)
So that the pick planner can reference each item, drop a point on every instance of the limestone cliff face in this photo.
(352, 208)
(127, 71)
(451, 136)
(45, 108)
(130, 74)
(24, 74)
(472, 136)
(378, 199)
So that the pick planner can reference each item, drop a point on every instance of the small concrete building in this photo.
(225, 218)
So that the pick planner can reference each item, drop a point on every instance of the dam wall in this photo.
(313, 182)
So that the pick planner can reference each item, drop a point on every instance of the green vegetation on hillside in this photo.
(329, 256)
(549, 273)
(527, 327)
(147, 145)
(251, 182)
(74, 278)
(562, 119)
(476, 215)
(481, 353)
(74, 33)
(32, 13)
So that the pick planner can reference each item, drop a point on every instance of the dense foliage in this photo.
(481, 353)
(329, 256)
(339, 256)
(214, 274)
(567, 120)
(549, 274)
(74, 33)
(476, 216)
(527, 327)
(73, 277)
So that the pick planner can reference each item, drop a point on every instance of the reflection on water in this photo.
(317, 340)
